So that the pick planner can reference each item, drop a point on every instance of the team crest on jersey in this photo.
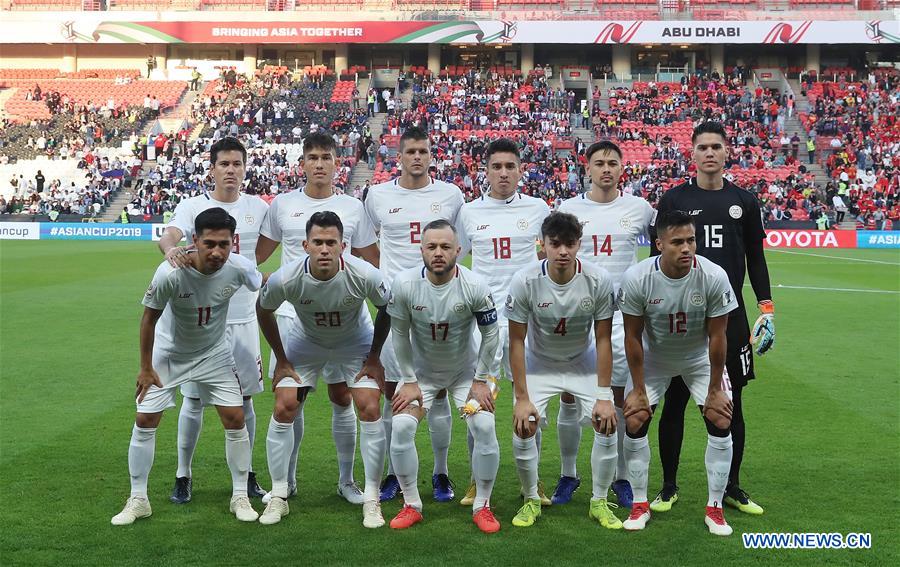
(435, 208)
(726, 298)
(459, 307)
(249, 220)
(227, 291)
(696, 299)
(621, 297)
(510, 302)
(522, 224)
(348, 301)
(735, 211)
(587, 304)
(625, 223)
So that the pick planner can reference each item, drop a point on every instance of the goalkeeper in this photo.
(731, 234)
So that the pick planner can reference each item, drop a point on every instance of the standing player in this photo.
(556, 303)
(433, 311)
(730, 233)
(182, 332)
(676, 309)
(501, 229)
(228, 159)
(286, 224)
(332, 336)
(400, 209)
(611, 222)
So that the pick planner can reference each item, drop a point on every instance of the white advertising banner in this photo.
(20, 230)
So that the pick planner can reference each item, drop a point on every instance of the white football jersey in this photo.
(250, 213)
(442, 319)
(194, 305)
(399, 215)
(329, 313)
(560, 318)
(502, 236)
(610, 231)
(675, 311)
(286, 223)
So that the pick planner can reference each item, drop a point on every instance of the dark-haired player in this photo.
(228, 162)
(555, 304)
(730, 233)
(676, 307)
(182, 340)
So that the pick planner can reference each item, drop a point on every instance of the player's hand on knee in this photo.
(603, 418)
(525, 419)
(718, 409)
(373, 369)
(283, 369)
(145, 379)
(481, 393)
(405, 395)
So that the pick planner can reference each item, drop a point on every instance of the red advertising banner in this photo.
(285, 32)
(810, 239)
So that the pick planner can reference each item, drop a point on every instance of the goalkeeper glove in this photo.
(763, 335)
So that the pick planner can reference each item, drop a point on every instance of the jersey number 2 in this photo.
(415, 232)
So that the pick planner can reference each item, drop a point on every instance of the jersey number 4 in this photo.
(605, 246)
(560, 328)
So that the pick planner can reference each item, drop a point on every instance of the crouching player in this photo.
(676, 307)
(182, 340)
(433, 310)
(331, 336)
(556, 303)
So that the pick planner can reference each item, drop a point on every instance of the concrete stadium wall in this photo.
(37, 56)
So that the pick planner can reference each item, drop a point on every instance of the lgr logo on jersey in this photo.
(419, 307)
(396, 210)
(296, 214)
(545, 304)
(482, 227)
(696, 299)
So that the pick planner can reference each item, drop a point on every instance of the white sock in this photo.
(538, 439)
(279, 441)
(237, 455)
(439, 426)
(470, 443)
(637, 456)
(526, 455)
(140, 458)
(406, 458)
(621, 467)
(387, 415)
(718, 466)
(190, 421)
(603, 463)
(295, 448)
(371, 445)
(485, 457)
(343, 430)
(569, 431)
(250, 422)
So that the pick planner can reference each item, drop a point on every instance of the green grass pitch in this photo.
(823, 451)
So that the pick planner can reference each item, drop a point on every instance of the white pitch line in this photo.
(854, 290)
(834, 257)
